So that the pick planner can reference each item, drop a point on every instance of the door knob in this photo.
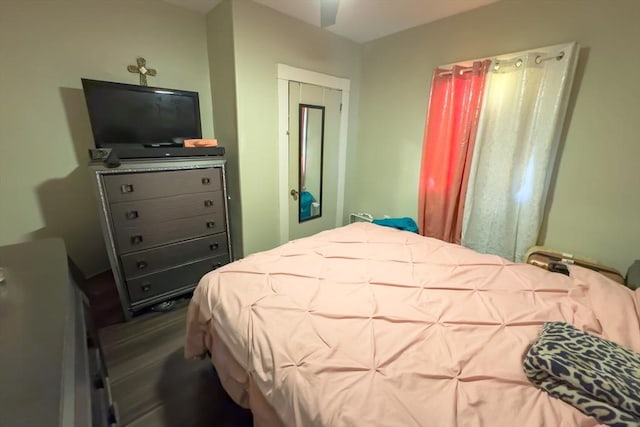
(294, 194)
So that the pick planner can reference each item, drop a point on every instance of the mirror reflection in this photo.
(310, 179)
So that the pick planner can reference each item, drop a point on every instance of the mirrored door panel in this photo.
(311, 143)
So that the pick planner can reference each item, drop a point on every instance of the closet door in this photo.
(314, 129)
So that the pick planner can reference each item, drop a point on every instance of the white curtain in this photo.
(518, 134)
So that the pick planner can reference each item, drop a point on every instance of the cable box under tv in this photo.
(163, 152)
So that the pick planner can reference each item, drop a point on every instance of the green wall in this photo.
(44, 128)
(220, 44)
(596, 197)
(45, 48)
(263, 38)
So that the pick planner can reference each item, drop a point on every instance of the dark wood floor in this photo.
(154, 386)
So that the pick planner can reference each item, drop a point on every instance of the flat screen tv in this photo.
(124, 115)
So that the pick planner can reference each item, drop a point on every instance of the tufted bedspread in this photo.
(370, 326)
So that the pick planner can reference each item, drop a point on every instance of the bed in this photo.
(367, 325)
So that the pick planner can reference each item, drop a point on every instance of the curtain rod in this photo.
(448, 72)
(517, 61)
(558, 57)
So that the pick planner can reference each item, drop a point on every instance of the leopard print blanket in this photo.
(599, 377)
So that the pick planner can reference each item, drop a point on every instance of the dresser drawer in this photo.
(151, 185)
(166, 281)
(151, 260)
(129, 214)
(145, 236)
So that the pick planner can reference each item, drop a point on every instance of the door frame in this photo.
(287, 73)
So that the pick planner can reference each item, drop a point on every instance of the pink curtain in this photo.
(454, 108)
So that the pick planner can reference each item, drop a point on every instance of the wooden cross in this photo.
(142, 70)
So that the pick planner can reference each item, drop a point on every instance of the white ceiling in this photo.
(361, 20)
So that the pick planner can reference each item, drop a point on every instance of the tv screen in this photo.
(141, 115)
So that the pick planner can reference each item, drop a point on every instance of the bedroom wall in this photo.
(45, 48)
(263, 38)
(220, 44)
(595, 199)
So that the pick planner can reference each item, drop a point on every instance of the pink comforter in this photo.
(369, 326)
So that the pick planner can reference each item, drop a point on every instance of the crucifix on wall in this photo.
(141, 68)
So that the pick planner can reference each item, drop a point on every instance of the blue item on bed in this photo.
(404, 223)
(594, 375)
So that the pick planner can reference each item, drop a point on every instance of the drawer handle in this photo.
(206, 181)
(217, 265)
(141, 265)
(211, 224)
(126, 188)
(112, 415)
(136, 240)
(98, 382)
(146, 287)
(214, 246)
(131, 214)
(208, 203)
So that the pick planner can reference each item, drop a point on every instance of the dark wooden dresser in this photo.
(165, 224)
(49, 373)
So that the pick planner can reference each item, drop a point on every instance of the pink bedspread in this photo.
(366, 325)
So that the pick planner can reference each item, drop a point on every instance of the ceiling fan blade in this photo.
(328, 12)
